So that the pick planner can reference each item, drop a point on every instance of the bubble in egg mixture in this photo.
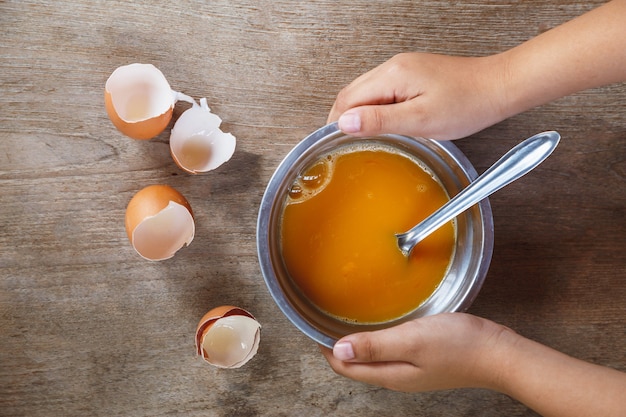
(312, 180)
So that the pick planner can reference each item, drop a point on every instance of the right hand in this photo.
(427, 95)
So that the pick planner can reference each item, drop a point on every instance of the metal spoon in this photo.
(515, 163)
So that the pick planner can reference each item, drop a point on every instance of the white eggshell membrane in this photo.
(197, 144)
(139, 92)
(160, 236)
(231, 341)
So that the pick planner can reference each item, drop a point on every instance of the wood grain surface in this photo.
(89, 328)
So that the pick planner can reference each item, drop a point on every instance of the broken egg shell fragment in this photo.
(139, 100)
(227, 337)
(159, 221)
(197, 144)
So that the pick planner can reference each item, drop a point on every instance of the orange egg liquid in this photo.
(338, 234)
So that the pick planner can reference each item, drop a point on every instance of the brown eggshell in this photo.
(207, 321)
(143, 130)
(149, 202)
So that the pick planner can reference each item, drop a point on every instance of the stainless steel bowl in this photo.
(474, 240)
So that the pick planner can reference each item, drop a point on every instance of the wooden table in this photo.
(90, 328)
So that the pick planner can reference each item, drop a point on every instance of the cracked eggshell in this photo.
(227, 337)
(197, 144)
(159, 221)
(139, 100)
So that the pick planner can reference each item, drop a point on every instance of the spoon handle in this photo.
(514, 164)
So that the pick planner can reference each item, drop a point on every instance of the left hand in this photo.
(443, 351)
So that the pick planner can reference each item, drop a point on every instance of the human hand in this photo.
(427, 95)
(443, 351)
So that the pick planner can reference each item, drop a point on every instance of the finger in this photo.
(398, 343)
(372, 88)
(351, 97)
(405, 118)
(399, 376)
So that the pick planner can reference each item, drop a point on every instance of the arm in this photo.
(555, 384)
(587, 52)
(446, 97)
(459, 350)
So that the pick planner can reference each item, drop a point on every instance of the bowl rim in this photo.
(271, 193)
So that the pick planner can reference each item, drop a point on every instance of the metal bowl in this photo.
(474, 228)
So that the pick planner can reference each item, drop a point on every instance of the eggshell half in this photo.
(197, 143)
(139, 100)
(227, 337)
(159, 221)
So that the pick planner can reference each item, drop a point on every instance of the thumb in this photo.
(397, 343)
(371, 120)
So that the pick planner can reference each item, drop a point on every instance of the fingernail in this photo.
(343, 351)
(350, 122)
